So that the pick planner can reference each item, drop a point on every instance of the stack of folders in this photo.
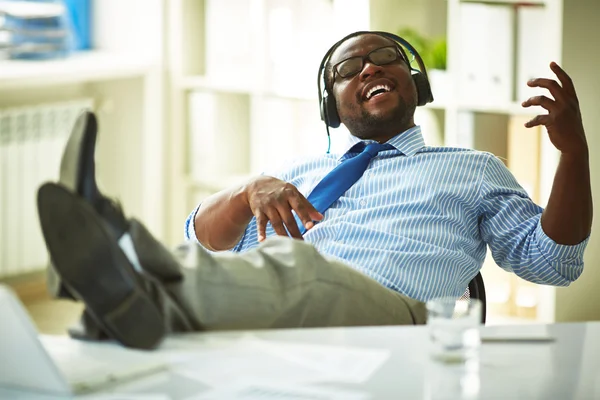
(501, 47)
(33, 30)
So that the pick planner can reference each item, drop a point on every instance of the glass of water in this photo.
(454, 328)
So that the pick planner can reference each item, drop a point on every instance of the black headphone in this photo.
(329, 112)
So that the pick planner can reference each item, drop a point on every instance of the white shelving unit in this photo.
(225, 55)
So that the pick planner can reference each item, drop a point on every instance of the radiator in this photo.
(31, 144)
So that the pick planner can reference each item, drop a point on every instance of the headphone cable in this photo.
(328, 139)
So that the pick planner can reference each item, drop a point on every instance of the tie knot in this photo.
(374, 148)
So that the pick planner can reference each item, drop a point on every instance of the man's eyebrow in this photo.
(354, 51)
(343, 56)
(349, 53)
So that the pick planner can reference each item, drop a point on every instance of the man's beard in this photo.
(368, 125)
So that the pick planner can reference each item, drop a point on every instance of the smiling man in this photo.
(413, 226)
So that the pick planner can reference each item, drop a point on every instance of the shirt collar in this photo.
(408, 142)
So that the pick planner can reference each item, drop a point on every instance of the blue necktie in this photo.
(342, 177)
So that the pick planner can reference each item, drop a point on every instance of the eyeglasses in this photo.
(353, 65)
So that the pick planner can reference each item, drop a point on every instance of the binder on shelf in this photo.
(37, 29)
(486, 54)
(533, 50)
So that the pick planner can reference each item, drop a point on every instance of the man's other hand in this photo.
(563, 121)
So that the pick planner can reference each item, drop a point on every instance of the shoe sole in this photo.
(92, 266)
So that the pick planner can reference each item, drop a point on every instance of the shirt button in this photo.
(363, 203)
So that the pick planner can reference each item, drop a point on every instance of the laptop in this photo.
(58, 364)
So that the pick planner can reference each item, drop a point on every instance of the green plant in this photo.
(432, 51)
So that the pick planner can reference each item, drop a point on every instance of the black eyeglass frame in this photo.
(399, 55)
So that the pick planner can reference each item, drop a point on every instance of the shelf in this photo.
(78, 67)
(518, 3)
(204, 83)
(509, 109)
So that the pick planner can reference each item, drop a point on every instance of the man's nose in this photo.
(369, 69)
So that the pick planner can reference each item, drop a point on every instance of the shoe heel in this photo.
(83, 135)
(125, 322)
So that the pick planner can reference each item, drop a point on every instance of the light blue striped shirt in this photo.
(420, 217)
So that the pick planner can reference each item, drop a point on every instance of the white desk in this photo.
(567, 368)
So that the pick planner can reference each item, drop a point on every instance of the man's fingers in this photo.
(276, 222)
(542, 101)
(537, 121)
(261, 225)
(314, 214)
(553, 87)
(563, 77)
(305, 211)
(290, 222)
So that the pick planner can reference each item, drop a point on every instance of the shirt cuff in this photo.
(553, 251)
(190, 229)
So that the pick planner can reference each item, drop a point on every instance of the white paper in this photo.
(521, 333)
(291, 363)
(263, 391)
(352, 365)
(222, 367)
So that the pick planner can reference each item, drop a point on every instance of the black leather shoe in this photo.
(78, 171)
(94, 269)
(78, 174)
(77, 166)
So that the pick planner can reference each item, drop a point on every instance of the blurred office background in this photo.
(195, 95)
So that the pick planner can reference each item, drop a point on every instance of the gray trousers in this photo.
(284, 283)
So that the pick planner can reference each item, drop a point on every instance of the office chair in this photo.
(476, 290)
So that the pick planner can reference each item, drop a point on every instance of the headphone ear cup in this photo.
(424, 94)
(329, 112)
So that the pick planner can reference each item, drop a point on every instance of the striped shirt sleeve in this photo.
(190, 231)
(511, 226)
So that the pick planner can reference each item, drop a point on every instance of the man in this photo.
(414, 227)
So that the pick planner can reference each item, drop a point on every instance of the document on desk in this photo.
(265, 391)
(515, 334)
(259, 360)
(352, 365)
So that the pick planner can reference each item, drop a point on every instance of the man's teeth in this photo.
(385, 89)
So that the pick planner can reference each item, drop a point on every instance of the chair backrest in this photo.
(476, 290)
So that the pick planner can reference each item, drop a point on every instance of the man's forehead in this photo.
(359, 45)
